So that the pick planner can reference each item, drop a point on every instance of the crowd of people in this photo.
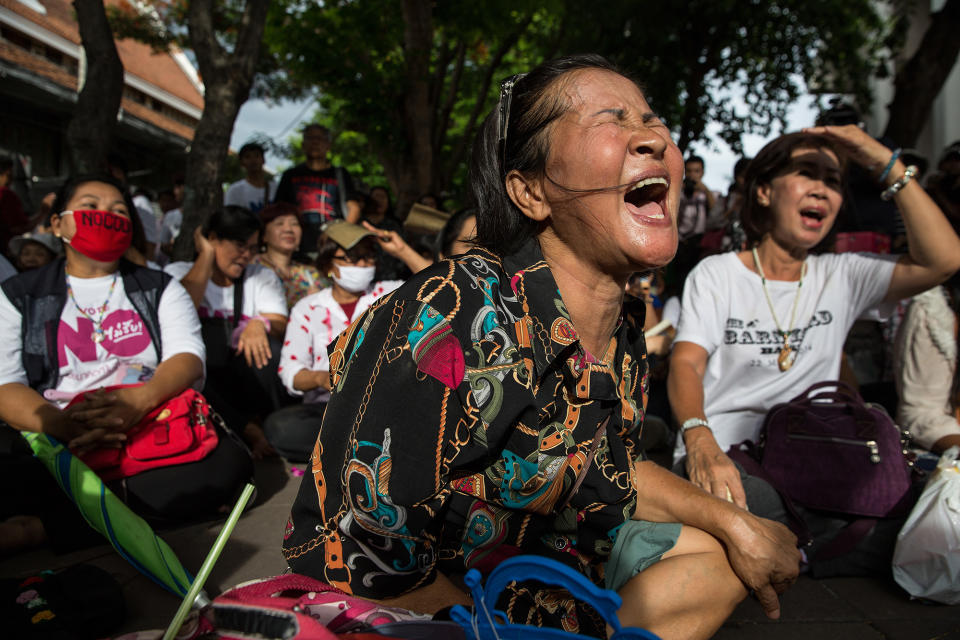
(485, 398)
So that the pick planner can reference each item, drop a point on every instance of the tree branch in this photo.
(918, 82)
(508, 43)
(443, 121)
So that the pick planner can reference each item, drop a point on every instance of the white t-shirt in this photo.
(671, 311)
(243, 194)
(315, 322)
(126, 355)
(262, 293)
(726, 312)
(6, 269)
(170, 227)
(151, 226)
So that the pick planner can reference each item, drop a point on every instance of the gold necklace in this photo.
(788, 354)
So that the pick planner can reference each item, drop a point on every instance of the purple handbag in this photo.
(829, 450)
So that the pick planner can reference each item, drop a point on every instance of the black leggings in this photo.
(293, 431)
(241, 392)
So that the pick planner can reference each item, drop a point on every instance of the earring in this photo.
(763, 202)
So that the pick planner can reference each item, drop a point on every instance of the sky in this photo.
(280, 120)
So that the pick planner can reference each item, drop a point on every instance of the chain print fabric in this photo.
(463, 409)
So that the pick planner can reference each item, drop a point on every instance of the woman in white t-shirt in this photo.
(92, 320)
(759, 326)
(348, 255)
(242, 334)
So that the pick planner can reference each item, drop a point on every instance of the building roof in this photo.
(162, 76)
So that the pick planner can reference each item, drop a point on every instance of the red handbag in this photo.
(178, 431)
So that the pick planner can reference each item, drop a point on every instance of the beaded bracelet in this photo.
(886, 170)
(893, 189)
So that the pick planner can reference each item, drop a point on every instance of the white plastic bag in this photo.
(926, 561)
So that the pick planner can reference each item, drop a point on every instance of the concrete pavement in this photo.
(842, 608)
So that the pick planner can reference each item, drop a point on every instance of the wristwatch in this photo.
(690, 423)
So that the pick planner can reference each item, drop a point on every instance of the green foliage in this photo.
(694, 56)
(160, 27)
(691, 57)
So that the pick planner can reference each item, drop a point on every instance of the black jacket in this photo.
(40, 295)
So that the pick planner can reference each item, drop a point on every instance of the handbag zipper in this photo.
(869, 444)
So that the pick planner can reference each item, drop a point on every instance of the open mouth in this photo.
(813, 217)
(647, 196)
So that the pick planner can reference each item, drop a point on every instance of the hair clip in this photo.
(503, 114)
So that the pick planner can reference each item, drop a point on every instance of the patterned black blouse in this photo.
(463, 411)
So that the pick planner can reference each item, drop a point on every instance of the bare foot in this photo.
(21, 532)
(260, 447)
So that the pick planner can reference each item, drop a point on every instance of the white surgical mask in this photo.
(355, 278)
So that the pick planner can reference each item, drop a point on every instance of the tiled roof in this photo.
(42, 67)
(160, 70)
(38, 65)
(160, 120)
(60, 18)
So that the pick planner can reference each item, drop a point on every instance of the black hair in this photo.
(451, 229)
(6, 164)
(436, 199)
(328, 248)
(695, 158)
(251, 146)
(69, 188)
(117, 161)
(771, 162)
(536, 103)
(319, 127)
(232, 223)
(740, 166)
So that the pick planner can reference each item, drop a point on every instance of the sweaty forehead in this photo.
(598, 88)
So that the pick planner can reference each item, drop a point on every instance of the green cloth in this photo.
(639, 544)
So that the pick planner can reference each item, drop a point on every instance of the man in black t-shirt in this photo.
(321, 191)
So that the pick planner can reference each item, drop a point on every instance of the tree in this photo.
(225, 36)
(94, 119)
(693, 56)
(227, 78)
(406, 83)
(413, 79)
(920, 79)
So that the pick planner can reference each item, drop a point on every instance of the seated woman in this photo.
(760, 326)
(348, 254)
(113, 323)
(242, 332)
(925, 359)
(491, 405)
(281, 237)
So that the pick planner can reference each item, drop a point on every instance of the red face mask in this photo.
(100, 235)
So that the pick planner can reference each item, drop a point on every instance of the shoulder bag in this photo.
(828, 449)
(180, 430)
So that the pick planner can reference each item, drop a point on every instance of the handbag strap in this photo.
(842, 390)
(586, 465)
(238, 298)
(748, 459)
(279, 584)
